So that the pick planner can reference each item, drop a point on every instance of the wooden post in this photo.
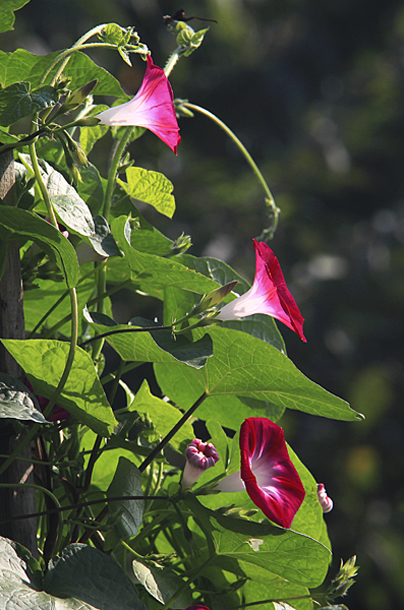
(17, 501)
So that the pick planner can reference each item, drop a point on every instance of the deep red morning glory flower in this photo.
(58, 413)
(199, 457)
(152, 108)
(267, 473)
(268, 294)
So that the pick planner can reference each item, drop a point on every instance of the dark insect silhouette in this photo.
(180, 16)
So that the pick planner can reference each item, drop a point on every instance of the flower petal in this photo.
(268, 294)
(271, 480)
(152, 108)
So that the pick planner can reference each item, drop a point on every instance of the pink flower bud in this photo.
(325, 501)
(199, 457)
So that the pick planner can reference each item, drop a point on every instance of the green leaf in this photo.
(18, 101)
(91, 189)
(151, 187)
(245, 366)
(83, 395)
(76, 215)
(22, 65)
(161, 582)
(7, 16)
(127, 481)
(163, 415)
(293, 556)
(152, 273)
(24, 223)
(154, 346)
(38, 300)
(17, 402)
(86, 574)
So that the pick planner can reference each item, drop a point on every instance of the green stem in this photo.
(269, 197)
(45, 491)
(172, 60)
(198, 571)
(172, 432)
(124, 330)
(65, 56)
(61, 509)
(270, 601)
(96, 299)
(41, 184)
(114, 170)
(70, 355)
(55, 305)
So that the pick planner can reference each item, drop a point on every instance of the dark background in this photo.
(314, 89)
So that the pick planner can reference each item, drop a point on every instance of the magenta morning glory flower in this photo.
(267, 473)
(268, 294)
(325, 500)
(199, 457)
(152, 108)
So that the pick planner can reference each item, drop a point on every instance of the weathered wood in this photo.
(15, 501)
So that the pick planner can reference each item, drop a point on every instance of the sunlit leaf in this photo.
(151, 187)
(17, 402)
(82, 396)
(24, 223)
(250, 368)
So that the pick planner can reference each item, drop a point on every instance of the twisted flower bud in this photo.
(199, 457)
(325, 501)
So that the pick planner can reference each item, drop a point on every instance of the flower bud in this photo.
(199, 457)
(325, 501)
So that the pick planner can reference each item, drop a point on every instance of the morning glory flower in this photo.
(152, 108)
(268, 294)
(199, 457)
(267, 473)
(325, 500)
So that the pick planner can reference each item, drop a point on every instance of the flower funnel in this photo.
(268, 294)
(267, 473)
(152, 108)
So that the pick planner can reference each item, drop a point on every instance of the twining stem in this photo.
(185, 585)
(269, 601)
(65, 55)
(172, 432)
(124, 330)
(70, 355)
(102, 271)
(269, 197)
(60, 509)
(96, 299)
(55, 305)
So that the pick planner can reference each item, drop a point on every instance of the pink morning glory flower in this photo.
(199, 457)
(325, 500)
(152, 108)
(268, 294)
(267, 473)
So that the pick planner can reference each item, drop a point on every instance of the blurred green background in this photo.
(315, 90)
